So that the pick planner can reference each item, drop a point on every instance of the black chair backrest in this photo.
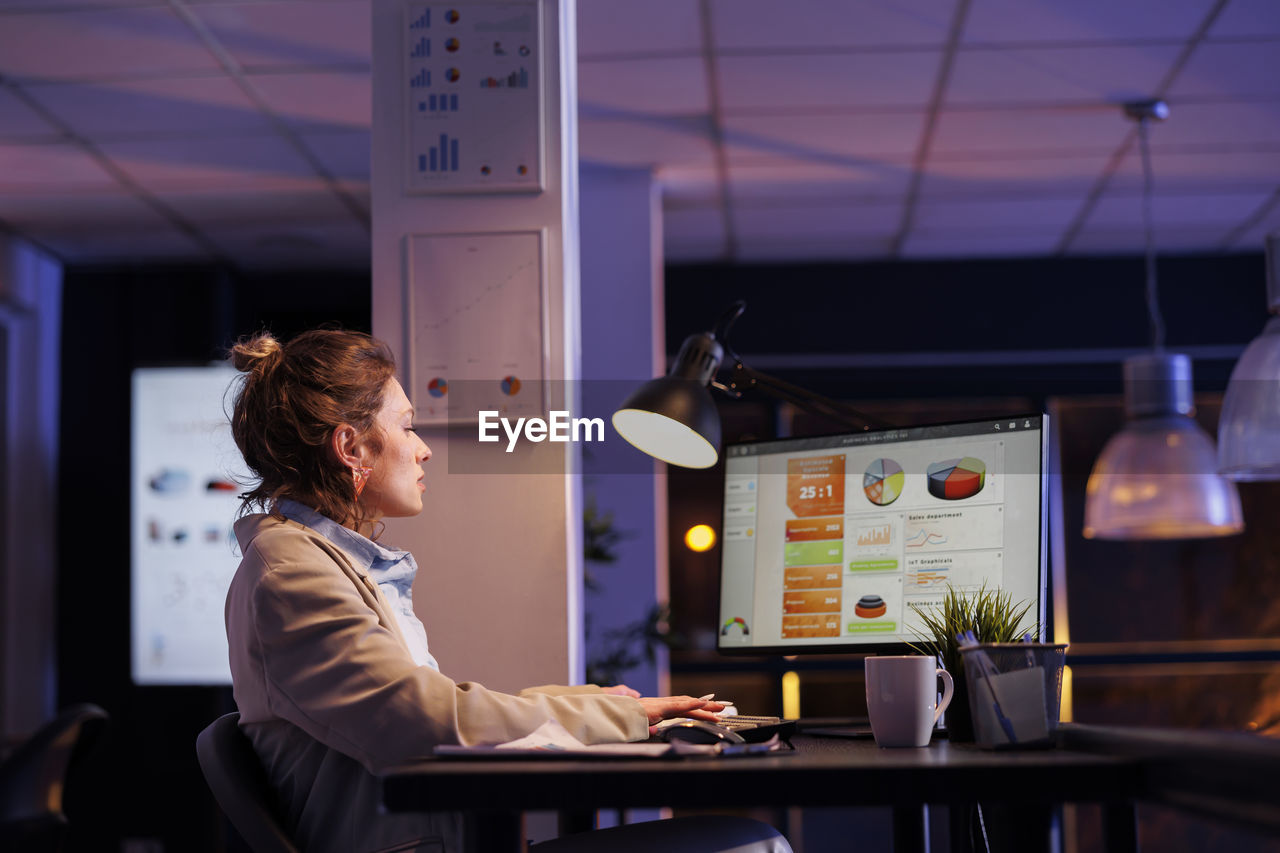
(240, 786)
(33, 778)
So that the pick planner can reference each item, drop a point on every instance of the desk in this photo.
(820, 772)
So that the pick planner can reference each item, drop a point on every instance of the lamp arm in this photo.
(745, 377)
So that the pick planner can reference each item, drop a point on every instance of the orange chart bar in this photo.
(811, 577)
(811, 626)
(813, 529)
(811, 601)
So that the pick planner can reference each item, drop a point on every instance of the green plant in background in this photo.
(635, 643)
(989, 613)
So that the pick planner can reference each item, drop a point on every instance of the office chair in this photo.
(34, 777)
(234, 774)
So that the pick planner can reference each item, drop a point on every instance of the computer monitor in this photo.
(829, 541)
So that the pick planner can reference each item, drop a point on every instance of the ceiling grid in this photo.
(816, 130)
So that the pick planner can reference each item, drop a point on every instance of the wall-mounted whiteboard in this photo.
(472, 97)
(183, 484)
(476, 309)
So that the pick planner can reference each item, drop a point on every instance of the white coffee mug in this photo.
(902, 698)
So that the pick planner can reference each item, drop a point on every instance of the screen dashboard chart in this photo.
(840, 545)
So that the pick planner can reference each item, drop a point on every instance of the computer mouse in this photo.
(698, 731)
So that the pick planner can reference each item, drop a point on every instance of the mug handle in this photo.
(948, 688)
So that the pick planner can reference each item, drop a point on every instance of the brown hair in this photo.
(291, 399)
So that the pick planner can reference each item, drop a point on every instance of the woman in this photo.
(331, 670)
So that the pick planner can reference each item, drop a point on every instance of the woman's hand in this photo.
(621, 690)
(666, 707)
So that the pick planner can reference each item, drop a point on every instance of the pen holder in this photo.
(1015, 690)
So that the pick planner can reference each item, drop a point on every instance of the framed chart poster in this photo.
(476, 315)
(472, 94)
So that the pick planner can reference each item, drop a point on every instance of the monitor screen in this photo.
(828, 542)
(186, 475)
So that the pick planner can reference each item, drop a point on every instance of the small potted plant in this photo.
(993, 618)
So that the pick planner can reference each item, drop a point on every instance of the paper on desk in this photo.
(553, 738)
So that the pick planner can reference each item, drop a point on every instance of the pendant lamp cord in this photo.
(1153, 304)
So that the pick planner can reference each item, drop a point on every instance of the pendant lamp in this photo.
(1249, 430)
(1157, 478)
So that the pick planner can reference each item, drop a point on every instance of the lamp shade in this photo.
(1249, 430)
(1157, 478)
(672, 419)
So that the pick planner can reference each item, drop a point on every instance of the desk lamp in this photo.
(1157, 478)
(1249, 430)
(674, 418)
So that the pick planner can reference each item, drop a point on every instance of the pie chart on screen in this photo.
(957, 479)
(882, 482)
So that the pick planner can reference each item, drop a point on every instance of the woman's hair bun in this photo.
(252, 352)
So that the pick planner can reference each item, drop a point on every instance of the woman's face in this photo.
(396, 485)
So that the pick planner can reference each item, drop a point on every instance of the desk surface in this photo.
(820, 772)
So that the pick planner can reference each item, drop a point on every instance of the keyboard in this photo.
(755, 729)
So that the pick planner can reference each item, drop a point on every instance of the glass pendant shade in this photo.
(1157, 478)
(1249, 429)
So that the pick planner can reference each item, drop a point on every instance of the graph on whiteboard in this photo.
(477, 325)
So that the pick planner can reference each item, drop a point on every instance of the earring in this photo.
(360, 476)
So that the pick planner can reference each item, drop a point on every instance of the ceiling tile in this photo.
(827, 80)
(319, 100)
(1120, 210)
(19, 121)
(764, 24)
(256, 161)
(1111, 240)
(625, 26)
(647, 140)
(1247, 18)
(1233, 124)
(58, 166)
(647, 86)
(815, 220)
(689, 185)
(345, 154)
(1040, 214)
(997, 243)
(999, 176)
(835, 140)
(805, 248)
(1254, 237)
(1096, 128)
(183, 105)
(693, 233)
(217, 208)
(1099, 75)
(292, 34)
(1230, 70)
(295, 245)
(88, 45)
(100, 226)
(867, 180)
(1198, 172)
(1023, 22)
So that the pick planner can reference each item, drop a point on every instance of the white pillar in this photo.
(30, 324)
(623, 346)
(500, 585)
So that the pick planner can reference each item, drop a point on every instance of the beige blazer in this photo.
(329, 695)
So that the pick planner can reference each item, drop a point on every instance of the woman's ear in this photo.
(346, 446)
